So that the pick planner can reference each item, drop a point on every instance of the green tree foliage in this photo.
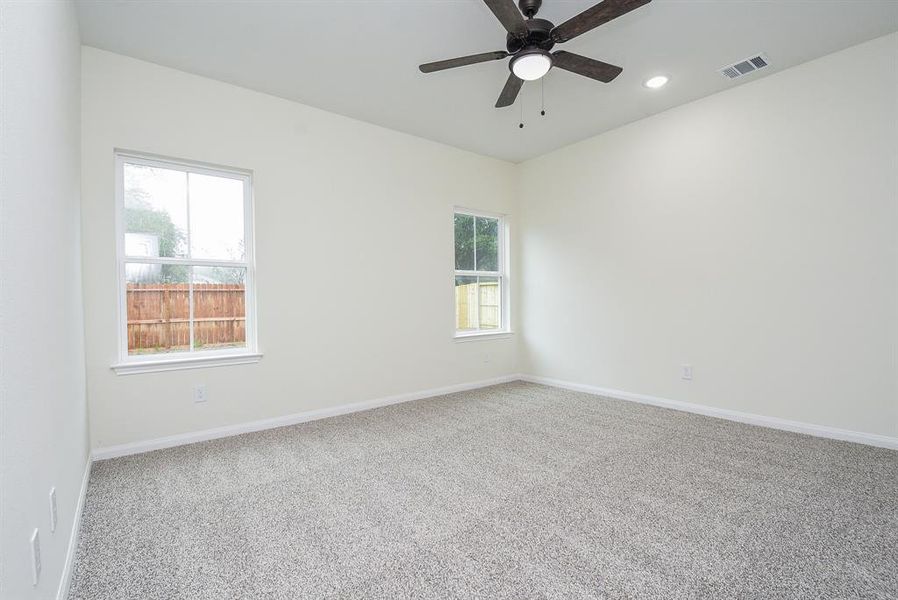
(464, 242)
(145, 219)
(487, 244)
(174, 274)
(486, 233)
(226, 275)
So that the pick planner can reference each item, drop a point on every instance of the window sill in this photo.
(178, 364)
(490, 335)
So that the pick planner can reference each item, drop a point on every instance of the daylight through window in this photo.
(185, 259)
(479, 273)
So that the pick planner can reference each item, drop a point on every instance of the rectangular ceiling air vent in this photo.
(744, 67)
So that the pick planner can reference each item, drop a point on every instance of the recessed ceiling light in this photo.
(656, 82)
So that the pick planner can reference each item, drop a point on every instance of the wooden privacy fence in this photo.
(159, 316)
(467, 305)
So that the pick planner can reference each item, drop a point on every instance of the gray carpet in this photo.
(513, 491)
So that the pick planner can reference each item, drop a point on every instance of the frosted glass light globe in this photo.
(531, 66)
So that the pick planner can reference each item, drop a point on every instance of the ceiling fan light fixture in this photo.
(530, 65)
(529, 40)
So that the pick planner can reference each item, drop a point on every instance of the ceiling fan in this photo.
(529, 43)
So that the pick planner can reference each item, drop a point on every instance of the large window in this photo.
(479, 274)
(185, 264)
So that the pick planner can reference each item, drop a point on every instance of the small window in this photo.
(480, 294)
(185, 261)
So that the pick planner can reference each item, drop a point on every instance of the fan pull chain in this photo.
(521, 124)
(542, 94)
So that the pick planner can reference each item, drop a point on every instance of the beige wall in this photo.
(43, 412)
(752, 234)
(365, 210)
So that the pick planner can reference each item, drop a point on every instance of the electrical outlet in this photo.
(686, 372)
(35, 557)
(486, 358)
(53, 513)
(199, 393)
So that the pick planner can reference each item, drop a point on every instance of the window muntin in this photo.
(479, 273)
(185, 260)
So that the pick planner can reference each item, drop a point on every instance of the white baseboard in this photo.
(870, 439)
(62, 593)
(311, 415)
(722, 413)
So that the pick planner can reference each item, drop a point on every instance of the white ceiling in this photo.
(359, 57)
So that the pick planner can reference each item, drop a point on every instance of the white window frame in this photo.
(190, 359)
(501, 274)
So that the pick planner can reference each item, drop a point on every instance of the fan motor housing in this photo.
(539, 34)
(529, 7)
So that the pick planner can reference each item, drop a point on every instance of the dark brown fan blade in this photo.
(510, 91)
(593, 17)
(462, 61)
(588, 67)
(509, 15)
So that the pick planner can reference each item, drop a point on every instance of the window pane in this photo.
(216, 217)
(155, 211)
(464, 242)
(465, 303)
(489, 296)
(158, 307)
(487, 244)
(219, 308)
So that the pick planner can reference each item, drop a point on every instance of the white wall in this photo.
(358, 209)
(43, 415)
(752, 234)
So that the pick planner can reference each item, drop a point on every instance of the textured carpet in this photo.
(513, 491)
